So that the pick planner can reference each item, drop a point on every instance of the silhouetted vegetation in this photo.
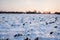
(4, 12)
(28, 12)
(31, 13)
(57, 12)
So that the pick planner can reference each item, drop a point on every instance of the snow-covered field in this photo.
(29, 27)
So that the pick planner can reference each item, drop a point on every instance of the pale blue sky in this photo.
(25, 5)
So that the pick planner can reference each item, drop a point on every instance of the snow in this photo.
(29, 25)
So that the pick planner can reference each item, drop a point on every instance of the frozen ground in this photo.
(29, 27)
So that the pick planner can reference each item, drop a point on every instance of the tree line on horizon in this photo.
(28, 12)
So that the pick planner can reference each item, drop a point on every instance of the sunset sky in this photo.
(26, 5)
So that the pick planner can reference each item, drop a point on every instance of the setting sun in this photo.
(46, 10)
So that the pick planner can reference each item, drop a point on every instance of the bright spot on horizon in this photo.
(46, 10)
(30, 5)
